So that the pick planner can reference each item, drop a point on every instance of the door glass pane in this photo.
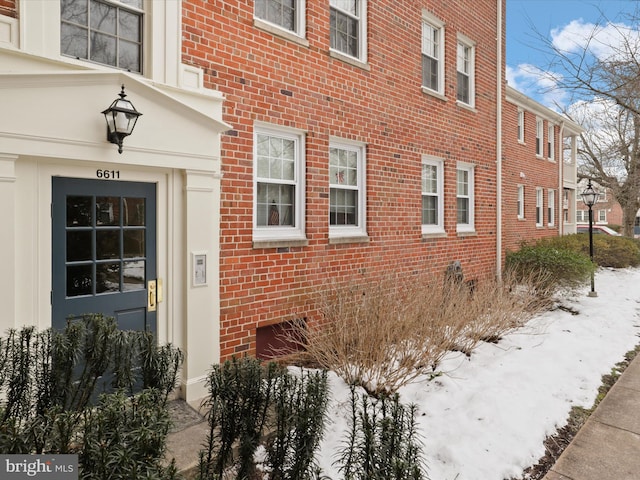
(79, 280)
(107, 211)
(107, 244)
(134, 243)
(78, 245)
(133, 276)
(79, 212)
(133, 211)
(107, 277)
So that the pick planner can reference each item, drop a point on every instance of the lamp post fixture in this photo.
(121, 117)
(590, 197)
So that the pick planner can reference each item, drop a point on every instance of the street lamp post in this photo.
(590, 197)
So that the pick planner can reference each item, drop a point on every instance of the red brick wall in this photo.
(269, 79)
(606, 202)
(9, 8)
(521, 166)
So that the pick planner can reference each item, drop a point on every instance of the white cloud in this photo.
(601, 41)
(541, 85)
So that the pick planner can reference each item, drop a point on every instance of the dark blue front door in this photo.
(104, 251)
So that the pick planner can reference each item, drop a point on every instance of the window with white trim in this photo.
(520, 201)
(348, 31)
(103, 31)
(551, 207)
(279, 168)
(465, 67)
(520, 125)
(465, 197)
(539, 134)
(432, 195)
(286, 14)
(539, 211)
(582, 216)
(347, 202)
(432, 53)
(551, 142)
(602, 216)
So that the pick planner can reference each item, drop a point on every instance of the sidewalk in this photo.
(607, 447)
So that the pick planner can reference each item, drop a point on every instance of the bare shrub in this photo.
(383, 333)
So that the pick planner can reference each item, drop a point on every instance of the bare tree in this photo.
(599, 65)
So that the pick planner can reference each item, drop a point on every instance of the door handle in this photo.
(151, 293)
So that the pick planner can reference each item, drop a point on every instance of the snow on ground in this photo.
(487, 416)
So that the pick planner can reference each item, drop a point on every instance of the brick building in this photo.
(282, 145)
(364, 141)
(539, 171)
(606, 211)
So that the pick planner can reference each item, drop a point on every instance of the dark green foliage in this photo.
(608, 251)
(551, 265)
(52, 380)
(252, 404)
(300, 407)
(124, 437)
(383, 441)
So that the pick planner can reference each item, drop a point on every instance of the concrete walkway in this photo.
(607, 447)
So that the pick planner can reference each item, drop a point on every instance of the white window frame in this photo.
(362, 31)
(539, 207)
(470, 169)
(551, 207)
(300, 22)
(432, 22)
(539, 137)
(281, 232)
(551, 147)
(582, 216)
(40, 35)
(602, 216)
(138, 11)
(438, 163)
(520, 125)
(520, 202)
(468, 46)
(360, 230)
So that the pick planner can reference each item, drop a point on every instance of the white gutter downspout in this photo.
(499, 145)
(560, 200)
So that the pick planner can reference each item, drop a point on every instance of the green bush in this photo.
(52, 381)
(608, 250)
(252, 405)
(383, 442)
(553, 265)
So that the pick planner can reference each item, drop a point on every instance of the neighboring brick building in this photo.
(607, 211)
(364, 142)
(539, 171)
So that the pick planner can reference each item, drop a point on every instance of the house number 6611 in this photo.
(108, 174)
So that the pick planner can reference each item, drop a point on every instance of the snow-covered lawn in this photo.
(486, 416)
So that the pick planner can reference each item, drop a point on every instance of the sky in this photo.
(557, 21)
(487, 416)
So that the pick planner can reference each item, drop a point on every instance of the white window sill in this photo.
(467, 233)
(280, 32)
(466, 106)
(438, 234)
(349, 239)
(280, 243)
(350, 60)
(434, 93)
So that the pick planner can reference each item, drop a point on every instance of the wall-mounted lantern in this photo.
(121, 118)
